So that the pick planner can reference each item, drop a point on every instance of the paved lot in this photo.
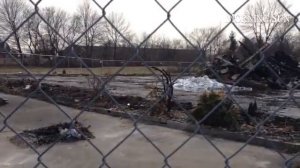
(136, 151)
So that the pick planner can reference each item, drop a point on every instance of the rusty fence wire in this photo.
(137, 48)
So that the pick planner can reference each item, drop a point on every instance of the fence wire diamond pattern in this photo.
(104, 156)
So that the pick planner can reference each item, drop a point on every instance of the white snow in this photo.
(27, 87)
(198, 84)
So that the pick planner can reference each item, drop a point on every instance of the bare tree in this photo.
(158, 41)
(32, 37)
(85, 19)
(177, 44)
(233, 43)
(164, 43)
(144, 36)
(56, 19)
(202, 36)
(73, 28)
(286, 41)
(32, 33)
(296, 49)
(113, 35)
(146, 44)
(11, 16)
(263, 18)
(154, 41)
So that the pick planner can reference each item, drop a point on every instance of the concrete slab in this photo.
(135, 151)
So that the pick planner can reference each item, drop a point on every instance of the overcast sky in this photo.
(146, 15)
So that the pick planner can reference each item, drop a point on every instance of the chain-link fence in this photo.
(37, 86)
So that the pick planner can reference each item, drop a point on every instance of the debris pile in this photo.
(277, 71)
(64, 132)
(69, 95)
(78, 98)
(3, 101)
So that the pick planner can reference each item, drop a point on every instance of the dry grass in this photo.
(99, 71)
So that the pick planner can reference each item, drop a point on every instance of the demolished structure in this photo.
(274, 70)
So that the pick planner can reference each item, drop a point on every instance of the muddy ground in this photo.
(133, 95)
(141, 86)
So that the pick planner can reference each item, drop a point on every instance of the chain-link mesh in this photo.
(136, 120)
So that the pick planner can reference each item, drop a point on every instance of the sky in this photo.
(146, 15)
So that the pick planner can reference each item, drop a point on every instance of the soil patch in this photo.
(284, 129)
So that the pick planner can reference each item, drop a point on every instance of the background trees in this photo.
(37, 37)
(263, 18)
(112, 36)
(11, 16)
(84, 19)
(202, 36)
(233, 43)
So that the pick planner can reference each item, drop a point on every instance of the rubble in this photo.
(3, 101)
(78, 97)
(64, 132)
(261, 77)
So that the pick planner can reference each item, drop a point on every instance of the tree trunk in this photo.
(19, 47)
(115, 51)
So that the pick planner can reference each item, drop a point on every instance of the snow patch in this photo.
(198, 84)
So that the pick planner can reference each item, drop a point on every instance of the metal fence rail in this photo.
(137, 48)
